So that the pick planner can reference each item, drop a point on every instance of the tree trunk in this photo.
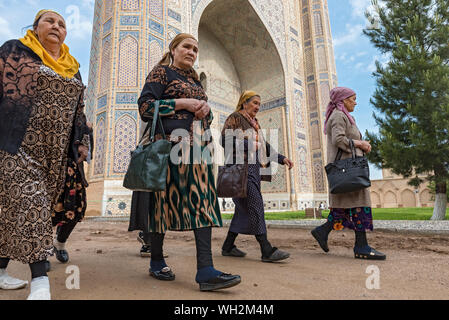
(439, 210)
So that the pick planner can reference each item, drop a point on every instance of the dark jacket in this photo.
(237, 121)
(19, 67)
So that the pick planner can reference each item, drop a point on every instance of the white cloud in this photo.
(352, 34)
(5, 31)
(78, 25)
(359, 7)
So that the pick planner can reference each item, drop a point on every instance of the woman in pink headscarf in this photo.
(352, 209)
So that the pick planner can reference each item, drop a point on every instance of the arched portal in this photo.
(237, 53)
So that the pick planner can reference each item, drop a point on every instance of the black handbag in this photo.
(232, 181)
(147, 170)
(348, 175)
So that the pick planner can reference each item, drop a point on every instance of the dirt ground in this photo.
(110, 267)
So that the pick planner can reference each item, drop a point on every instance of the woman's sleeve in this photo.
(338, 128)
(152, 91)
(279, 157)
(2, 68)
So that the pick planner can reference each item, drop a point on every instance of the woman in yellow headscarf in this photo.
(42, 126)
(249, 215)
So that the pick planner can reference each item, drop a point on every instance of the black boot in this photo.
(229, 248)
(321, 234)
(270, 253)
(363, 251)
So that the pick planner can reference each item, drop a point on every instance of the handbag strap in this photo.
(340, 151)
(156, 118)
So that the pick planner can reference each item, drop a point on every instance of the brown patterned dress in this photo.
(31, 179)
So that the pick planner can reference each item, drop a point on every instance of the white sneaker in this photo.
(40, 289)
(10, 283)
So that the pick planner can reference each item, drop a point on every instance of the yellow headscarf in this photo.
(246, 95)
(66, 66)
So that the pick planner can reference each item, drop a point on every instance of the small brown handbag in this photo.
(232, 181)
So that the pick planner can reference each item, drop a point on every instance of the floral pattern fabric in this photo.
(358, 219)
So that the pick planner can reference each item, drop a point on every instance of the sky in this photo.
(355, 56)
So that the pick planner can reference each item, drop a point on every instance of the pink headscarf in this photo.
(337, 96)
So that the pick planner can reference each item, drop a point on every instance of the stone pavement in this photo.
(417, 226)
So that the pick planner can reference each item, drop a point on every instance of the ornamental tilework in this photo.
(273, 120)
(118, 206)
(108, 9)
(318, 24)
(102, 102)
(155, 53)
(126, 98)
(129, 20)
(106, 60)
(125, 142)
(318, 176)
(128, 62)
(132, 5)
(299, 113)
(157, 9)
(303, 182)
(107, 26)
(174, 15)
(156, 27)
(100, 146)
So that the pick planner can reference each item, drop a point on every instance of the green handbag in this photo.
(148, 167)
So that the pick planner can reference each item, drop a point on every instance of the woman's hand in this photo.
(83, 153)
(191, 105)
(365, 146)
(203, 111)
(288, 163)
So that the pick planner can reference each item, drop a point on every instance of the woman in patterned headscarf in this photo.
(189, 201)
(352, 209)
(42, 125)
(249, 216)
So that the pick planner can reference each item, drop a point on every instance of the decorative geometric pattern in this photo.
(303, 182)
(311, 92)
(306, 26)
(174, 15)
(100, 146)
(129, 20)
(319, 177)
(155, 53)
(125, 142)
(102, 102)
(108, 10)
(157, 8)
(273, 120)
(322, 59)
(157, 27)
(107, 26)
(118, 206)
(128, 62)
(318, 24)
(299, 113)
(106, 60)
(126, 98)
(132, 5)
(325, 94)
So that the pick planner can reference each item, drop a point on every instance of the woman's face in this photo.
(185, 54)
(252, 106)
(51, 29)
(350, 103)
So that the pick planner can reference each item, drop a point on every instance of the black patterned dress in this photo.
(190, 199)
(31, 179)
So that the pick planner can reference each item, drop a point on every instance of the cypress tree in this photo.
(412, 92)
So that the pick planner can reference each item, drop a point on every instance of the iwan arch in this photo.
(281, 49)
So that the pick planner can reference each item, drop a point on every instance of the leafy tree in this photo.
(412, 94)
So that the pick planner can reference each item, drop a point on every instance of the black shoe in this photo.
(47, 266)
(222, 281)
(234, 252)
(321, 236)
(165, 274)
(145, 251)
(276, 255)
(61, 255)
(368, 253)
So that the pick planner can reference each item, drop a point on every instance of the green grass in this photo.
(378, 214)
